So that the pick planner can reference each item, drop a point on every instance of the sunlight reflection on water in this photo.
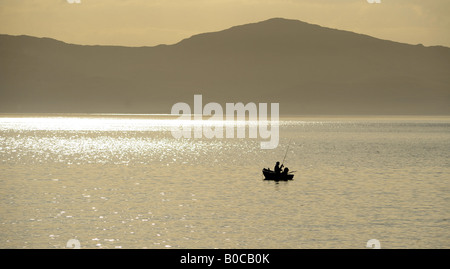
(91, 122)
(125, 182)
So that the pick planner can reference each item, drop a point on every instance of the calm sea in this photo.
(123, 181)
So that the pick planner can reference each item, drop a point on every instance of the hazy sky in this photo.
(153, 22)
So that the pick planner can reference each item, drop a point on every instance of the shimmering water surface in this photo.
(123, 181)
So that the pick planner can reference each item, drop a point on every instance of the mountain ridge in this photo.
(307, 68)
(219, 31)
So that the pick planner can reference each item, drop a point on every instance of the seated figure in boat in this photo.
(278, 168)
(285, 171)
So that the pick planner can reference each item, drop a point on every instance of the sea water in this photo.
(123, 181)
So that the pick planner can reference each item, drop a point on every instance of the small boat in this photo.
(271, 175)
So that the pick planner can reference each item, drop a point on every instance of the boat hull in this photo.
(271, 175)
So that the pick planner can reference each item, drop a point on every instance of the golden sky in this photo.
(153, 22)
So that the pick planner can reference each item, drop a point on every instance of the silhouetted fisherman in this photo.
(285, 171)
(277, 168)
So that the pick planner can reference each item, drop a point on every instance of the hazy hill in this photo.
(308, 69)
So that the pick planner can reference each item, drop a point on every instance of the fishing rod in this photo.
(286, 152)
